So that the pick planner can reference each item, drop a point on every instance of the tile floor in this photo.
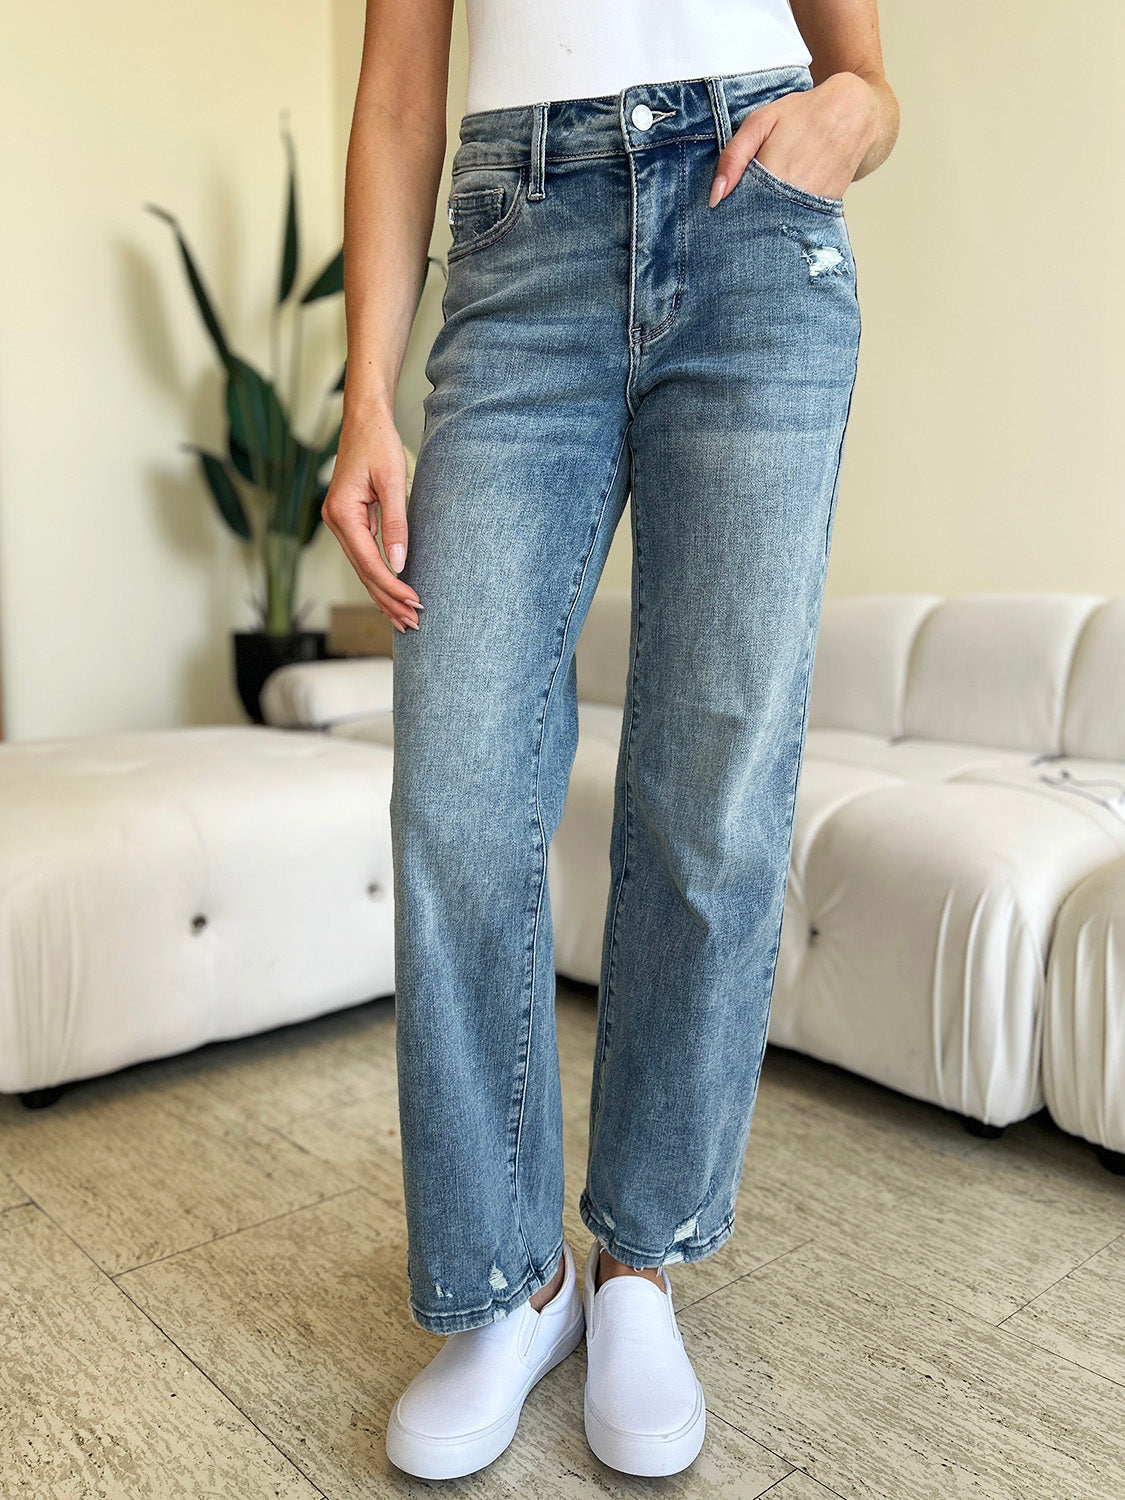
(203, 1293)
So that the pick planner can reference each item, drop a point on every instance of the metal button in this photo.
(642, 117)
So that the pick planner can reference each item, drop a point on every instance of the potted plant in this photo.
(269, 486)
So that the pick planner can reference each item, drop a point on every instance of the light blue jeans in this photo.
(606, 333)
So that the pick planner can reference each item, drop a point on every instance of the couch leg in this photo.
(41, 1098)
(978, 1127)
(1112, 1161)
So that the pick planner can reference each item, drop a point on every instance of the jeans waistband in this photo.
(637, 118)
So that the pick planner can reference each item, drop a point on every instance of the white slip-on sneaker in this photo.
(462, 1410)
(644, 1406)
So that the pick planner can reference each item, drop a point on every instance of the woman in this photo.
(651, 293)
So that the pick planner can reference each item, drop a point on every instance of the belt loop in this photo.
(538, 188)
(719, 109)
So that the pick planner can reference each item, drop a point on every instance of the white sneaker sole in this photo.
(647, 1454)
(452, 1458)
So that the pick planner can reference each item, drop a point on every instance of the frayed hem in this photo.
(460, 1320)
(683, 1251)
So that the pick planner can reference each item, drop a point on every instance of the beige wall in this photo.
(983, 449)
(118, 585)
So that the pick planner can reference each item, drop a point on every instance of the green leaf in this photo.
(289, 249)
(339, 386)
(313, 517)
(239, 456)
(289, 515)
(203, 301)
(227, 498)
(260, 441)
(330, 281)
(330, 448)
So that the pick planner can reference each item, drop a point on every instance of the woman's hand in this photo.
(369, 482)
(813, 138)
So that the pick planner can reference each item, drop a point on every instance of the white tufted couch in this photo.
(165, 889)
(955, 918)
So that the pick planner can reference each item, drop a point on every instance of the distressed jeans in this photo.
(606, 335)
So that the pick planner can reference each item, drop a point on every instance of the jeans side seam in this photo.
(627, 814)
(844, 429)
(543, 842)
(810, 651)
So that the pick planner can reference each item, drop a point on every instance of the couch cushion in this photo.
(992, 668)
(1093, 790)
(909, 760)
(1094, 722)
(826, 786)
(862, 654)
(378, 728)
(316, 693)
(166, 888)
(1084, 1025)
(918, 921)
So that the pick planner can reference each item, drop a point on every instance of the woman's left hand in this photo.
(812, 138)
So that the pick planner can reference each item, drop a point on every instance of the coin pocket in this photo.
(483, 206)
(475, 211)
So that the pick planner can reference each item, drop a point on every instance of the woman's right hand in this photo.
(369, 484)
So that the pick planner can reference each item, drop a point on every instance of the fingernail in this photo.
(399, 626)
(413, 624)
(718, 188)
(396, 556)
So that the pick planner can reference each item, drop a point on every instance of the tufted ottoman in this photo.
(161, 890)
(1084, 1025)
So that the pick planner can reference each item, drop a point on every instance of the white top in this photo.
(531, 51)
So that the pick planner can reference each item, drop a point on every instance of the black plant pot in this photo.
(257, 654)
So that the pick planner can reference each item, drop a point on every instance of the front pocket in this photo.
(791, 192)
(484, 203)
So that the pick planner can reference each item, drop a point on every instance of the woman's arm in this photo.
(822, 138)
(395, 155)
